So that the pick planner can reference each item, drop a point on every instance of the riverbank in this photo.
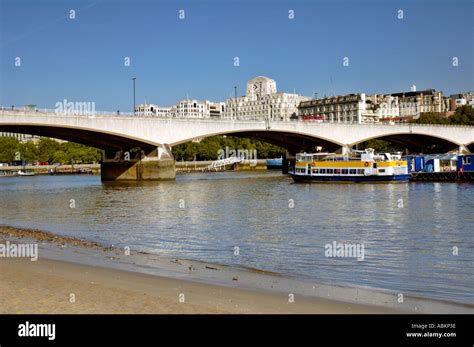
(57, 169)
(200, 166)
(181, 167)
(78, 276)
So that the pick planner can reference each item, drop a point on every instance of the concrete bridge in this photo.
(121, 136)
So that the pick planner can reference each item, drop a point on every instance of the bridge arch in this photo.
(290, 140)
(416, 142)
(105, 140)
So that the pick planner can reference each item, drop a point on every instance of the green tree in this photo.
(80, 153)
(9, 148)
(29, 152)
(430, 118)
(47, 148)
(463, 115)
(59, 157)
(208, 148)
(381, 146)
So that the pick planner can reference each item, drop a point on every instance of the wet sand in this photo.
(45, 286)
(79, 276)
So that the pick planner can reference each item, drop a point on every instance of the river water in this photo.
(409, 231)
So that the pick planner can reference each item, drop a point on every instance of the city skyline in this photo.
(83, 59)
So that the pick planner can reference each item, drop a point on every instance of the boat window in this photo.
(375, 165)
(337, 171)
(466, 161)
(315, 171)
(330, 171)
(381, 170)
(360, 171)
(344, 171)
(353, 171)
(323, 171)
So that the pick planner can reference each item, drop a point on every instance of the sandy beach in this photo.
(79, 276)
(45, 286)
(58, 286)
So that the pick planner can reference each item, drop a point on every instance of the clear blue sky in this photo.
(83, 59)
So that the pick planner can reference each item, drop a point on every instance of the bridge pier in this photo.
(345, 150)
(464, 150)
(289, 159)
(157, 164)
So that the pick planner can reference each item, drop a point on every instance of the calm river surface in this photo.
(204, 216)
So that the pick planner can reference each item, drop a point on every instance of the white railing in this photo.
(9, 110)
(68, 113)
(223, 162)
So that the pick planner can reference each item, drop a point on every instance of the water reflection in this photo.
(277, 225)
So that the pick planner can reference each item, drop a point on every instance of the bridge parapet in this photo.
(121, 115)
(111, 132)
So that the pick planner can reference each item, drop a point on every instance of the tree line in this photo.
(463, 115)
(51, 151)
(209, 147)
(46, 150)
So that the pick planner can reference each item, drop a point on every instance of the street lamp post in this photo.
(134, 78)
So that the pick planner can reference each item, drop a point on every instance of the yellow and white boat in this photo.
(367, 167)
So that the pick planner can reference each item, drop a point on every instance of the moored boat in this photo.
(8, 173)
(367, 167)
(25, 173)
(274, 164)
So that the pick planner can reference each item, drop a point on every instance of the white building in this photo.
(413, 103)
(458, 100)
(191, 108)
(152, 110)
(21, 137)
(351, 108)
(216, 109)
(188, 108)
(262, 101)
(379, 107)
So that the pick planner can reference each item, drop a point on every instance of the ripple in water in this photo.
(204, 216)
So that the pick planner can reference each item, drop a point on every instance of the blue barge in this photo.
(441, 167)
